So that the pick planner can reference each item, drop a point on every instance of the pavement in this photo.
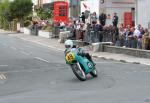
(53, 43)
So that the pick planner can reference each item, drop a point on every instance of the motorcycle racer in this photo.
(70, 46)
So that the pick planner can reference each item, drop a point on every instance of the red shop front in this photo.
(128, 19)
(61, 11)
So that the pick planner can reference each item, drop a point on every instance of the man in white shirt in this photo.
(138, 34)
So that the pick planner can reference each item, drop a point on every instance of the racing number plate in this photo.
(70, 57)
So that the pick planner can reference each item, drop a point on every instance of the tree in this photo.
(44, 13)
(4, 14)
(20, 9)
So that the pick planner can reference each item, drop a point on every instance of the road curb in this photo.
(121, 60)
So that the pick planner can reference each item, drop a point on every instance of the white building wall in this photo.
(92, 5)
(35, 2)
(120, 7)
(120, 13)
(46, 1)
(143, 12)
(120, 3)
(109, 7)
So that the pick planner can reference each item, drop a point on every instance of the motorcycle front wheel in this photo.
(78, 71)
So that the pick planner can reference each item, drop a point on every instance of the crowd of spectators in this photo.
(119, 35)
(94, 29)
(134, 37)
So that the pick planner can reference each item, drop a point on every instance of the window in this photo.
(62, 11)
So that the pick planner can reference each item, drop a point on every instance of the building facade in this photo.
(123, 8)
(73, 8)
(143, 13)
(139, 9)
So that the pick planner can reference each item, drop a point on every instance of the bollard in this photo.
(95, 47)
(63, 36)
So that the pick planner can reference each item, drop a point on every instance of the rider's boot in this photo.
(89, 58)
(92, 61)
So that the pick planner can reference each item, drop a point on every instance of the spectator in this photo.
(83, 17)
(146, 32)
(74, 28)
(42, 23)
(115, 20)
(56, 23)
(100, 33)
(142, 31)
(87, 13)
(94, 18)
(131, 31)
(126, 33)
(138, 35)
(62, 25)
(102, 19)
(74, 24)
(139, 26)
(82, 31)
(116, 35)
(146, 40)
(35, 28)
(121, 35)
(131, 42)
(137, 32)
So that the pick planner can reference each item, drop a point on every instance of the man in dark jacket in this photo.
(83, 17)
(102, 19)
(115, 20)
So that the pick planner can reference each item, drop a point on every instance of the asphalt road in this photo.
(30, 73)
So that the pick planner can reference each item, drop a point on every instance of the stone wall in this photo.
(128, 51)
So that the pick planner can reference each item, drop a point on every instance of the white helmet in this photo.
(68, 44)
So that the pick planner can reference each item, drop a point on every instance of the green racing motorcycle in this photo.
(80, 65)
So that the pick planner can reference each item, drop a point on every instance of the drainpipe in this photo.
(136, 12)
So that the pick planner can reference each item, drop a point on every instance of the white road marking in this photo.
(25, 53)
(13, 48)
(2, 77)
(3, 65)
(38, 58)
